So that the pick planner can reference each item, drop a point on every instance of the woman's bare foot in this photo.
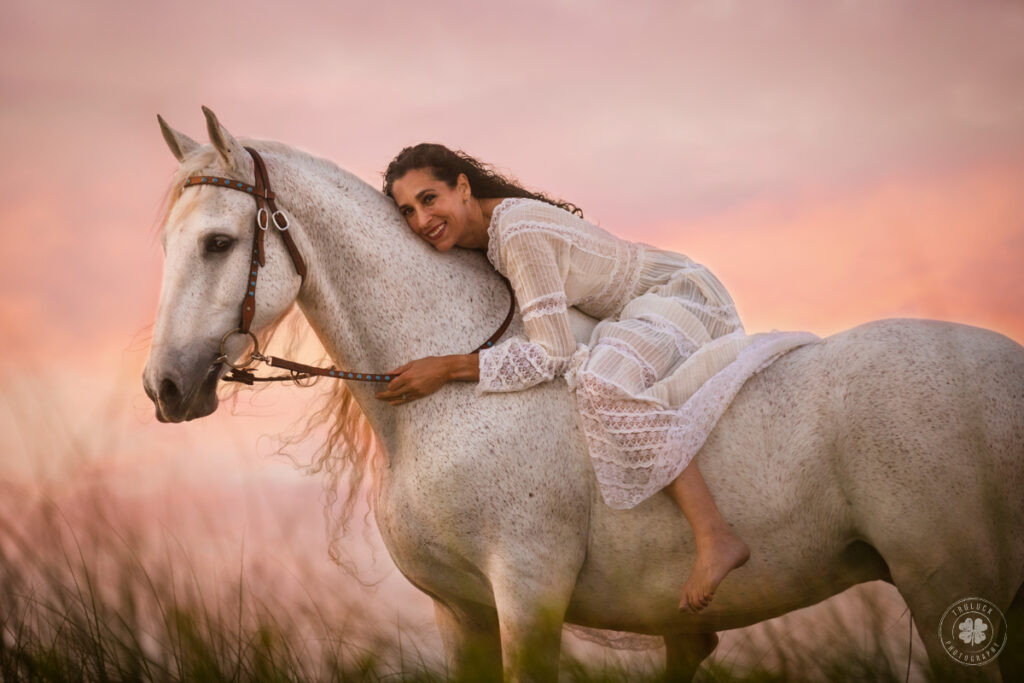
(723, 552)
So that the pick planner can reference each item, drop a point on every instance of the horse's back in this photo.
(927, 393)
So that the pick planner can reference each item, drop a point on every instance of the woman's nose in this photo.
(422, 218)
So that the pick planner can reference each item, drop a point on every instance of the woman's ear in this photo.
(462, 185)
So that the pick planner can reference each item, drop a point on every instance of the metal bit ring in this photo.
(255, 355)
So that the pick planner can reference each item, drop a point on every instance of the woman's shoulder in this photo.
(520, 216)
(522, 222)
(516, 215)
(513, 209)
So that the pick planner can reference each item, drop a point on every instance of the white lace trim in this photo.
(575, 237)
(647, 372)
(549, 304)
(685, 344)
(637, 449)
(516, 364)
(493, 248)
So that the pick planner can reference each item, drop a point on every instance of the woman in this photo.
(666, 326)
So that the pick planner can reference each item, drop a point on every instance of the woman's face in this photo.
(434, 211)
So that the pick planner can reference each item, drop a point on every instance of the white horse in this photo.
(893, 450)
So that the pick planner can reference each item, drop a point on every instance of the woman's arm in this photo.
(465, 367)
(424, 376)
(535, 263)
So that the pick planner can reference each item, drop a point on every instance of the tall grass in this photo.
(86, 604)
(83, 597)
(92, 589)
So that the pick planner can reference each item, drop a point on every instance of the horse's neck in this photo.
(376, 295)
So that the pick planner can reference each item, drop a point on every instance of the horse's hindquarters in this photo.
(932, 445)
(932, 463)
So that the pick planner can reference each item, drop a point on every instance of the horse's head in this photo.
(207, 239)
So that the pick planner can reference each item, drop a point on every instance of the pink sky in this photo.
(841, 139)
(832, 162)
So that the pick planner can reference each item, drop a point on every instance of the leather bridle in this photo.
(267, 211)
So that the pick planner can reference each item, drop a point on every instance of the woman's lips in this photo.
(439, 232)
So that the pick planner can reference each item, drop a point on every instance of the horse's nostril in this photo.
(169, 393)
(148, 389)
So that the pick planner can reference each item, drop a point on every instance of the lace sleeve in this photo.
(536, 263)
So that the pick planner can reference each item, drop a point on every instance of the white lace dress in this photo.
(667, 357)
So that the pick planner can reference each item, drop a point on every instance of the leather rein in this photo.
(267, 212)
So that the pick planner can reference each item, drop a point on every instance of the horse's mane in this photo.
(347, 444)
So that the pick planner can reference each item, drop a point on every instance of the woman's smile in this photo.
(444, 215)
(437, 232)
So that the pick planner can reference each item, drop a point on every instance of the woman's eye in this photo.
(428, 198)
(219, 243)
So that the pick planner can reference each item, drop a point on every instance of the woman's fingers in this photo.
(400, 369)
(403, 398)
(398, 391)
(415, 379)
(392, 395)
(395, 389)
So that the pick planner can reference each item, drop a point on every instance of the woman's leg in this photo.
(719, 550)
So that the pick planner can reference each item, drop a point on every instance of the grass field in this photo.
(127, 557)
(98, 601)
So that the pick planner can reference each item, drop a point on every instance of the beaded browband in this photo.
(267, 211)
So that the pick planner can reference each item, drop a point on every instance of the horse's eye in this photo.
(218, 243)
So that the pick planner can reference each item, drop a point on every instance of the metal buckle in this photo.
(254, 356)
(282, 222)
(263, 218)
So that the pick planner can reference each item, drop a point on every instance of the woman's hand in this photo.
(417, 379)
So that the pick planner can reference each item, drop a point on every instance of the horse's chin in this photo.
(203, 400)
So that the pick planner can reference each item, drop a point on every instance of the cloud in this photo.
(944, 245)
(653, 118)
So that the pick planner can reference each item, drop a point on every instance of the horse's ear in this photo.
(181, 145)
(230, 149)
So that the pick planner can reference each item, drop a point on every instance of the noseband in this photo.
(267, 211)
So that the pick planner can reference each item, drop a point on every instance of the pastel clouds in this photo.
(937, 245)
(826, 135)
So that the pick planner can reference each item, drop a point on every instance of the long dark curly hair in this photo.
(446, 165)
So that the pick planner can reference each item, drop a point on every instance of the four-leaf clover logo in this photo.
(972, 631)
